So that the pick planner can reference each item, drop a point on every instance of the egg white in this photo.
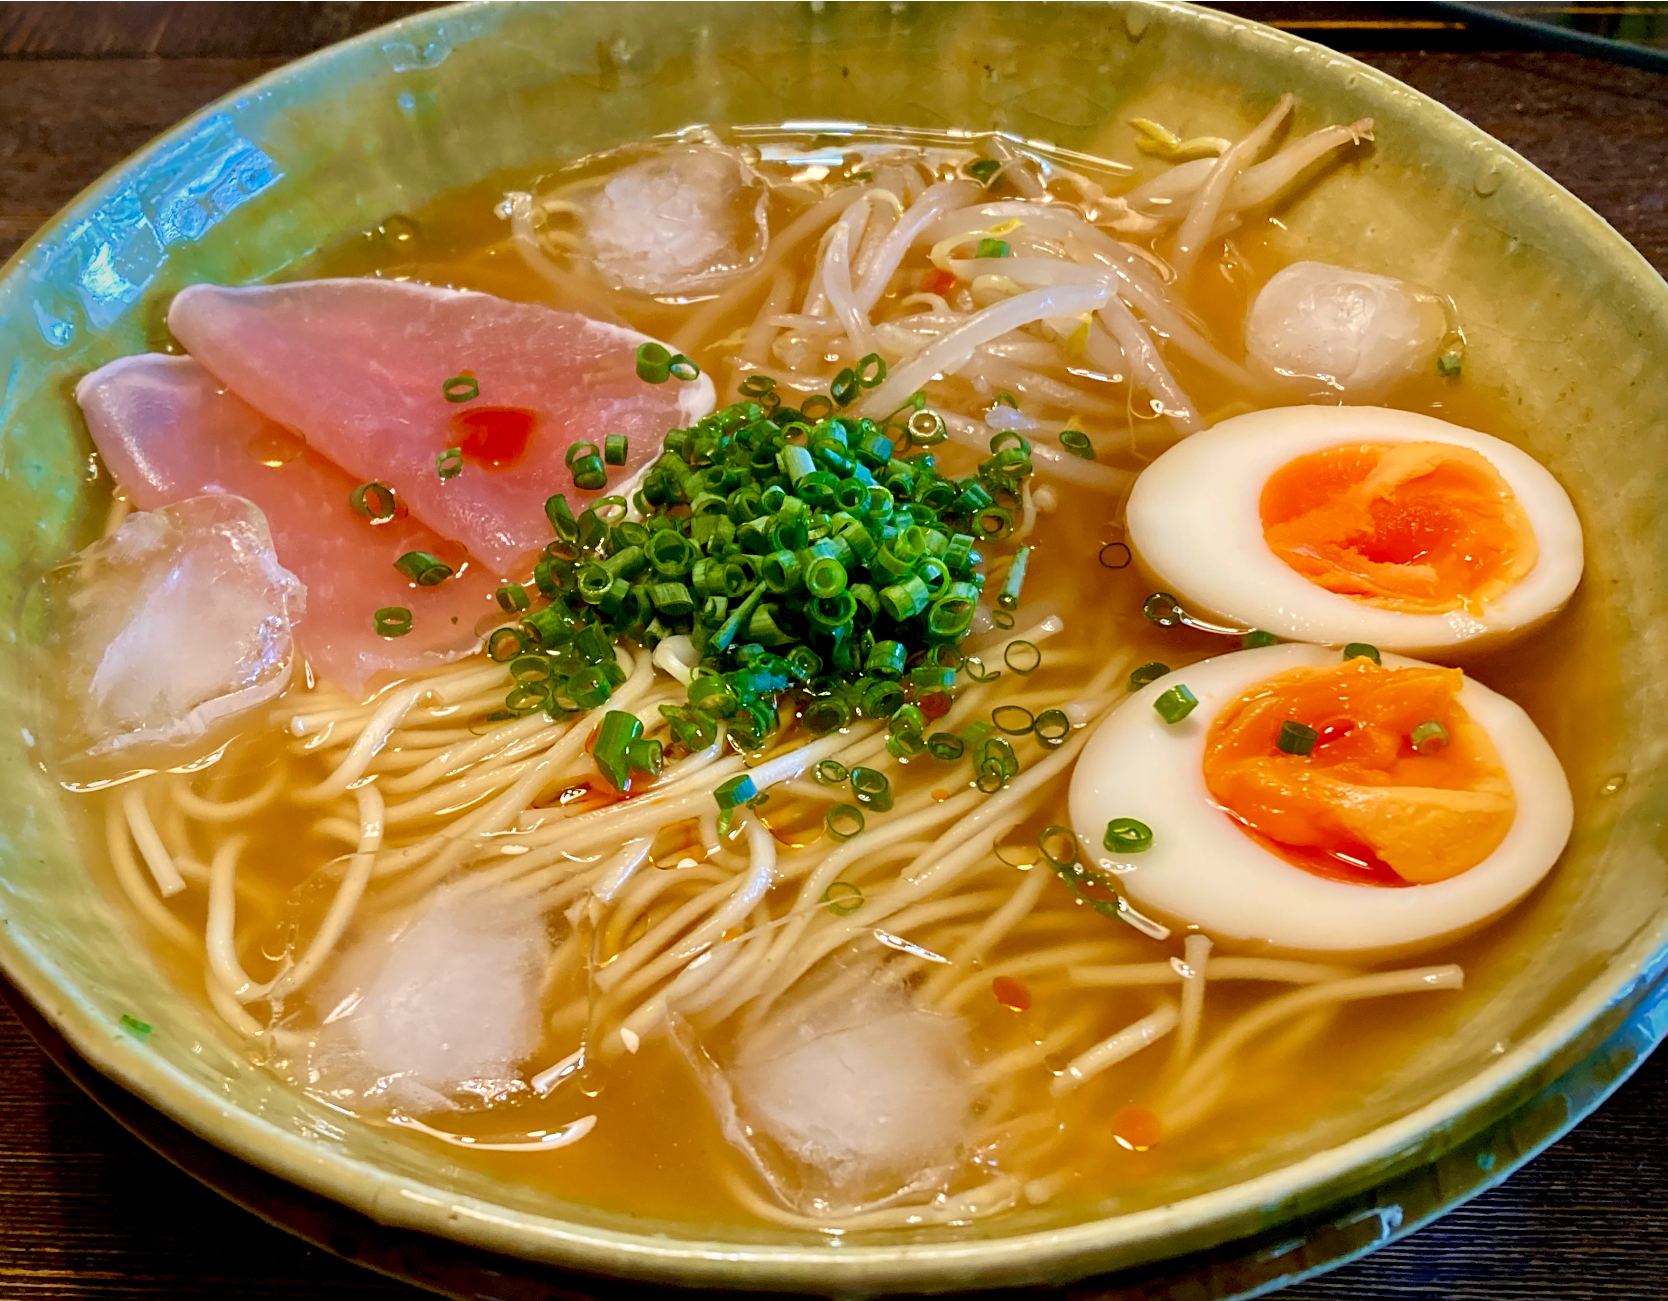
(1195, 526)
(1204, 871)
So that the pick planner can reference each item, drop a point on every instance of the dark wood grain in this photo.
(88, 1212)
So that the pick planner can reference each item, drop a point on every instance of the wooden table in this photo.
(86, 1211)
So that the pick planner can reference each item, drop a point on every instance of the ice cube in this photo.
(437, 1014)
(681, 219)
(846, 1100)
(174, 624)
(1353, 332)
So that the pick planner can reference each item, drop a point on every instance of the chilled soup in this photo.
(499, 995)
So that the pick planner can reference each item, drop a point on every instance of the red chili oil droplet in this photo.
(493, 436)
(1136, 1128)
(1336, 730)
(1010, 993)
(937, 282)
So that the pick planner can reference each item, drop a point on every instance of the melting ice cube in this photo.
(438, 1013)
(175, 623)
(682, 219)
(846, 1100)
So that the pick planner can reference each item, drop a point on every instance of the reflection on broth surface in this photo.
(731, 974)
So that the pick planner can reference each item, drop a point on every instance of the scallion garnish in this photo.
(449, 464)
(392, 621)
(1448, 365)
(1361, 650)
(1077, 443)
(133, 1025)
(843, 898)
(461, 388)
(422, 568)
(1008, 597)
(1015, 720)
(512, 598)
(654, 363)
(1150, 672)
(992, 248)
(1257, 637)
(737, 790)
(872, 789)
(1127, 836)
(831, 772)
(1052, 727)
(843, 821)
(1058, 845)
(1022, 656)
(615, 448)
(1163, 609)
(946, 747)
(1428, 737)
(983, 170)
(375, 501)
(617, 730)
(1296, 737)
(1176, 704)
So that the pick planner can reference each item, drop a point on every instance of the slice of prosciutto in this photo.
(378, 375)
(168, 431)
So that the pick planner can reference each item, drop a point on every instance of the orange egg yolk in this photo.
(1364, 805)
(1424, 528)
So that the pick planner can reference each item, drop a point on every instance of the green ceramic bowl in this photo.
(1565, 322)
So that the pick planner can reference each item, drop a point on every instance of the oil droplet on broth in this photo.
(273, 448)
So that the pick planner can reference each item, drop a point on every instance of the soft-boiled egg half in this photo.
(1341, 524)
(1311, 803)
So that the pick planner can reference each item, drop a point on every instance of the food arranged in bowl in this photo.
(899, 675)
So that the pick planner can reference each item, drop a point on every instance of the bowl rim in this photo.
(1067, 1251)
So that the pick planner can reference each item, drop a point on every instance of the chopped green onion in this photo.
(757, 386)
(927, 429)
(392, 621)
(504, 644)
(375, 501)
(983, 170)
(1115, 555)
(461, 388)
(654, 363)
(1015, 720)
(946, 747)
(449, 464)
(423, 569)
(649, 757)
(134, 1025)
(872, 789)
(737, 790)
(1428, 737)
(512, 598)
(615, 448)
(975, 669)
(1008, 597)
(682, 368)
(1163, 609)
(871, 370)
(617, 730)
(1361, 650)
(1022, 656)
(589, 473)
(842, 897)
(1296, 737)
(1150, 672)
(1077, 443)
(1176, 704)
(831, 772)
(1127, 836)
(843, 821)
(992, 248)
(1448, 365)
(1052, 727)
(1058, 845)
(1257, 637)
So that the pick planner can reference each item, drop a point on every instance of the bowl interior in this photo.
(1565, 327)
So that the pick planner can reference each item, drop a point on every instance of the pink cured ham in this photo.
(167, 431)
(359, 369)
